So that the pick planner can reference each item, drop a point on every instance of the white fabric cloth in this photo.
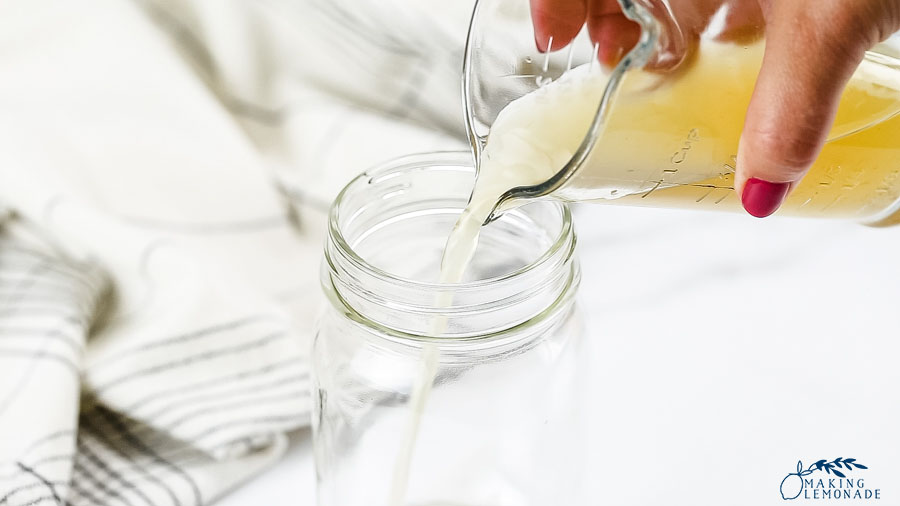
(165, 167)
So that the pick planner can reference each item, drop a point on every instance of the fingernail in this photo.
(542, 48)
(762, 198)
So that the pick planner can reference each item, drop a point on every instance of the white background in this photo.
(726, 349)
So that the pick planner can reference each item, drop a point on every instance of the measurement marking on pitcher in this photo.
(805, 202)
(730, 168)
(833, 202)
(705, 195)
(547, 56)
(693, 136)
(651, 189)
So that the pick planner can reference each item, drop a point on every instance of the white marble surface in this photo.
(291, 482)
(726, 349)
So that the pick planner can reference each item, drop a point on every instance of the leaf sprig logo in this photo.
(834, 479)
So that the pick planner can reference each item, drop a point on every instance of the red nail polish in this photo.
(762, 198)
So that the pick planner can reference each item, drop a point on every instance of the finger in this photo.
(808, 60)
(681, 23)
(610, 30)
(556, 22)
(743, 22)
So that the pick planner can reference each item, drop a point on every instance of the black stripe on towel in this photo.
(191, 360)
(212, 382)
(227, 395)
(181, 338)
(95, 459)
(136, 444)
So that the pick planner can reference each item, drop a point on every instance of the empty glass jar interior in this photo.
(484, 414)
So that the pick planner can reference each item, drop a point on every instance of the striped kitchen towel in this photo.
(165, 169)
(150, 414)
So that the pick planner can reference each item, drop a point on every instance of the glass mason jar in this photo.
(487, 412)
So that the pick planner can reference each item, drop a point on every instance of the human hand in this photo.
(812, 49)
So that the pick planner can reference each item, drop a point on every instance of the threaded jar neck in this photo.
(386, 233)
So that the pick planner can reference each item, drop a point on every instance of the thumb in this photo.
(809, 58)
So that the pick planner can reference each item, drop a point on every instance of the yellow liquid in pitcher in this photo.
(670, 140)
(857, 174)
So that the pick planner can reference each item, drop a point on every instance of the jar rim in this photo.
(423, 159)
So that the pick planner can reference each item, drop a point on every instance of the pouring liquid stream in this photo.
(457, 255)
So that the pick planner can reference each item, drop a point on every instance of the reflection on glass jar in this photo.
(487, 413)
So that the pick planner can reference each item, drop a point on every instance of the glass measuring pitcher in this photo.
(640, 136)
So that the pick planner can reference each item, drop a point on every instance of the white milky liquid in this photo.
(417, 400)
